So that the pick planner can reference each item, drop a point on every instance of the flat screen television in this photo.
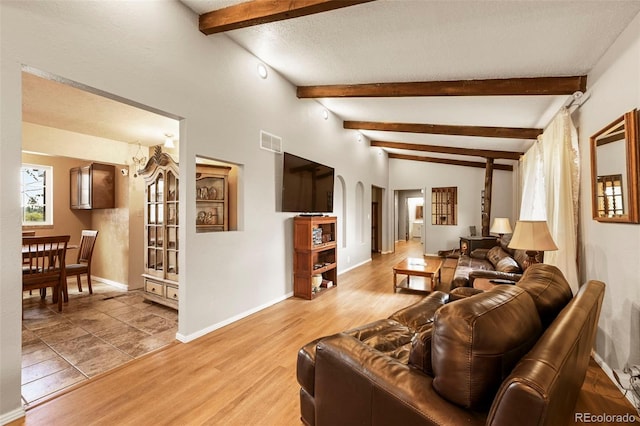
(307, 186)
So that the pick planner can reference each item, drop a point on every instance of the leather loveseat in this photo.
(513, 355)
(499, 262)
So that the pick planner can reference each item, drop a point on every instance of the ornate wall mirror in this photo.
(615, 165)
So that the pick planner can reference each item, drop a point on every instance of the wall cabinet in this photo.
(212, 198)
(92, 187)
(315, 261)
(161, 226)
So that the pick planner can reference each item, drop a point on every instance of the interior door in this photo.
(375, 226)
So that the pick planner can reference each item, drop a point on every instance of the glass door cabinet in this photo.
(161, 229)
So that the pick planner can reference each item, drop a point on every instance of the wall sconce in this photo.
(139, 161)
(168, 140)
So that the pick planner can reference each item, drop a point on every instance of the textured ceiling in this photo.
(407, 40)
(389, 41)
(425, 40)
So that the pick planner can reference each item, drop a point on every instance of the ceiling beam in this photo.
(258, 12)
(486, 153)
(440, 129)
(476, 164)
(493, 87)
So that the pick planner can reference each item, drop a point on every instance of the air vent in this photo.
(270, 142)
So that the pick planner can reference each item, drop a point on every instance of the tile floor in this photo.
(92, 334)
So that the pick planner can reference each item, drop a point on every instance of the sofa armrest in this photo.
(511, 276)
(463, 292)
(419, 316)
(356, 384)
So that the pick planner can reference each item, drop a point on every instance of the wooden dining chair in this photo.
(44, 265)
(27, 234)
(83, 263)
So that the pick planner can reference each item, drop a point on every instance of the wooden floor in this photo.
(244, 374)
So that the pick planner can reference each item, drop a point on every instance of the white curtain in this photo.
(533, 202)
(551, 172)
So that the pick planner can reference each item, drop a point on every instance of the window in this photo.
(610, 203)
(444, 206)
(36, 187)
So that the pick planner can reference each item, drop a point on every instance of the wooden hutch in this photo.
(161, 224)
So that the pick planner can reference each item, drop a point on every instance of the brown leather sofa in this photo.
(513, 355)
(499, 262)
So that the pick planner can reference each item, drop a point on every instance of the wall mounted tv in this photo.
(307, 186)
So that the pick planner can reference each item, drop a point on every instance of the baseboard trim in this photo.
(609, 372)
(11, 416)
(354, 266)
(191, 337)
(116, 284)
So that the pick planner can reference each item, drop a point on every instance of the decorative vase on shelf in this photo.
(316, 280)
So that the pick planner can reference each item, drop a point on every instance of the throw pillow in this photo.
(502, 261)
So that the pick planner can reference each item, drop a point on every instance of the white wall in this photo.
(610, 251)
(405, 174)
(157, 57)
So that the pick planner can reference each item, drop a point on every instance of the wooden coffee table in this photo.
(417, 266)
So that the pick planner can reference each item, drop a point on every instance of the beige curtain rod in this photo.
(577, 99)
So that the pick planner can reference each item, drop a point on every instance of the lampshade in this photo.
(501, 226)
(532, 235)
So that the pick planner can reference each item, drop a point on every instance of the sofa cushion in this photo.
(478, 340)
(386, 336)
(520, 256)
(465, 265)
(502, 261)
(419, 316)
(479, 253)
(548, 288)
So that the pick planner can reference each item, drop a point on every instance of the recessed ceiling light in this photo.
(262, 70)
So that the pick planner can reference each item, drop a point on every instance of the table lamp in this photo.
(532, 236)
(500, 226)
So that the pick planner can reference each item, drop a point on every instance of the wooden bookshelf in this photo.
(315, 253)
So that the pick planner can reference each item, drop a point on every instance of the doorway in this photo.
(376, 219)
(67, 124)
(409, 215)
